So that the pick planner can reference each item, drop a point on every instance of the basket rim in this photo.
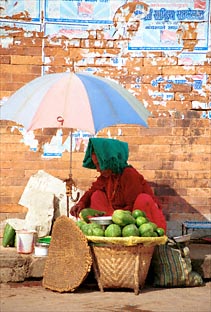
(129, 241)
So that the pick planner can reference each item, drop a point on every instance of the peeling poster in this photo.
(30, 8)
(166, 23)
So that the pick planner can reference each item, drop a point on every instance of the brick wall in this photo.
(173, 153)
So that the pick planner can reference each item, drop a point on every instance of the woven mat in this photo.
(69, 259)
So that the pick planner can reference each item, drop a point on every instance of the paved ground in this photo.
(30, 296)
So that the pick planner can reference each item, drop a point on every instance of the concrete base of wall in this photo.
(16, 267)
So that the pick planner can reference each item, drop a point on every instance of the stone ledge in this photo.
(201, 259)
(18, 267)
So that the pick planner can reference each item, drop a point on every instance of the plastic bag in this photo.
(171, 265)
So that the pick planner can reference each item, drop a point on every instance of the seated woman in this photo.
(119, 185)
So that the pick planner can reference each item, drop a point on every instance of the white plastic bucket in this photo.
(25, 241)
(41, 250)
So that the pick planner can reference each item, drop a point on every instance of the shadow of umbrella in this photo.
(74, 101)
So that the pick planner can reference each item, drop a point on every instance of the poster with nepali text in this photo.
(168, 22)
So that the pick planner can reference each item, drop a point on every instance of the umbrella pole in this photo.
(69, 182)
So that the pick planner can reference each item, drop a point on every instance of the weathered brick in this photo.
(147, 70)
(93, 43)
(192, 96)
(5, 59)
(187, 216)
(32, 60)
(176, 87)
(24, 41)
(199, 192)
(191, 166)
(11, 86)
(203, 69)
(160, 61)
(23, 69)
(179, 70)
(12, 209)
(55, 51)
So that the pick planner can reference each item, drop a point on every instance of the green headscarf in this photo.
(111, 154)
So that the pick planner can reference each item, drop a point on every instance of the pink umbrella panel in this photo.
(80, 101)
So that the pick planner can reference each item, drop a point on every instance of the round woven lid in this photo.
(69, 258)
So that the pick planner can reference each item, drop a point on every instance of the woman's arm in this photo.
(85, 200)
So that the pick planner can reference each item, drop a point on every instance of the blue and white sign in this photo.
(78, 11)
(165, 25)
(21, 9)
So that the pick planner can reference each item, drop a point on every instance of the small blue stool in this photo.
(195, 225)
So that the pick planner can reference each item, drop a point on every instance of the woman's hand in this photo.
(75, 210)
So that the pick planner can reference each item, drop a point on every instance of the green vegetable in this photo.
(122, 217)
(138, 213)
(95, 225)
(154, 226)
(79, 223)
(8, 236)
(98, 232)
(148, 234)
(130, 230)
(89, 212)
(85, 229)
(146, 228)
(89, 231)
(113, 230)
(13, 242)
(160, 231)
(141, 220)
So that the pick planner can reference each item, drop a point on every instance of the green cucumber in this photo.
(89, 212)
(8, 236)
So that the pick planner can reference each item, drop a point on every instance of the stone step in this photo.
(15, 267)
(201, 259)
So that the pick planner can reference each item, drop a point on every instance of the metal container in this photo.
(182, 238)
(103, 221)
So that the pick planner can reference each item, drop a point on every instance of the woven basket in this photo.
(117, 266)
(69, 258)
